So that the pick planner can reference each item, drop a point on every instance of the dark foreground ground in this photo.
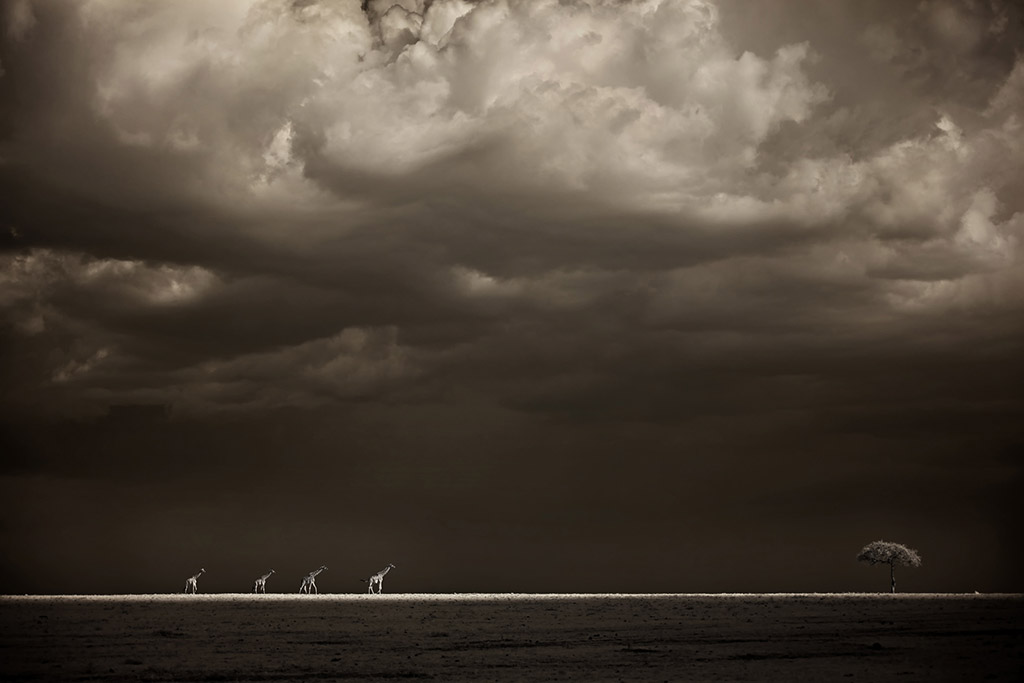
(514, 637)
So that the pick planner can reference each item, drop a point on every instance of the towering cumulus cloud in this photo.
(782, 232)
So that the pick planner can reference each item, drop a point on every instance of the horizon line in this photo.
(485, 596)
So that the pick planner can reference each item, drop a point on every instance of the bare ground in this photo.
(514, 637)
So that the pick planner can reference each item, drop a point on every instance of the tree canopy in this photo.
(885, 552)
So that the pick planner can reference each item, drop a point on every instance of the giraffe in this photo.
(378, 579)
(190, 583)
(261, 583)
(309, 581)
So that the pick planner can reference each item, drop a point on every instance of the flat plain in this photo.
(522, 637)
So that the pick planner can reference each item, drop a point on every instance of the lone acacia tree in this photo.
(892, 554)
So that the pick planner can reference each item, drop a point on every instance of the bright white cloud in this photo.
(596, 96)
(36, 275)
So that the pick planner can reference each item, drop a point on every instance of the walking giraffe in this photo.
(309, 581)
(261, 583)
(378, 579)
(190, 584)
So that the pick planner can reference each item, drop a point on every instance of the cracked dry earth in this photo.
(513, 637)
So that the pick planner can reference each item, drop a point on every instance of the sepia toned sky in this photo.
(662, 295)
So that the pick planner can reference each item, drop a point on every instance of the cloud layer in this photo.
(464, 177)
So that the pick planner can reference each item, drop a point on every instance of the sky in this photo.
(629, 296)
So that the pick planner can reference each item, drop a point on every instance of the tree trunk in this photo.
(892, 577)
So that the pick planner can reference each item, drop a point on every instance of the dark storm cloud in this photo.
(515, 238)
